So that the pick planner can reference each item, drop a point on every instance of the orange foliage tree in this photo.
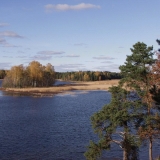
(35, 75)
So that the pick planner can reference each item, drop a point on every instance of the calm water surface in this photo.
(57, 82)
(51, 128)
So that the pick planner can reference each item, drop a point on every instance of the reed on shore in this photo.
(44, 91)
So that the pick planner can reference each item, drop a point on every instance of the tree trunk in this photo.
(150, 149)
(125, 154)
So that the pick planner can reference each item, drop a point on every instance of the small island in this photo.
(38, 80)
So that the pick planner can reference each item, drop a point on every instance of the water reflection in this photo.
(58, 82)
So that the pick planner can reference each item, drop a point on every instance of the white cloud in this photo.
(103, 58)
(50, 52)
(90, 61)
(9, 45)
(46, 55)
(4, 43)
(70, 56)
(107, 62)
(65, 7)
(41, 57)
(111, 68)
(27, 48)
(69, 67)
(10, 34)
(21, 57)
(8, 56)
(20, 52)
(4, 24)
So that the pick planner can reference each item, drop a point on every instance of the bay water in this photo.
(53, 128)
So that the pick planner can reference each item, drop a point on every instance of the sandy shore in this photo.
(50, 91)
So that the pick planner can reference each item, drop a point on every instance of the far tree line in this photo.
(79, 75)
(37, 75)
(87, 75)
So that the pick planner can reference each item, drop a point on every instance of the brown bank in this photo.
(51, 91)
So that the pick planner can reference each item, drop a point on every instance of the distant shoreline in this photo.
(51, 91)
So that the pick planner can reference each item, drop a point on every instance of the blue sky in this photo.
(75, 35)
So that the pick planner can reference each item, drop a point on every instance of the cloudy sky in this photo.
(75, 35)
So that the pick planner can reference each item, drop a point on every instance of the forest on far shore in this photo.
(67, 76)
(87, 75)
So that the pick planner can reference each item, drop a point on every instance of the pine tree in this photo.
(114, 120)
(132, 108)
(137, 73)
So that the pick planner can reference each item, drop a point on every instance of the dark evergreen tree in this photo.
(2, 74)
(132, 108)
(114, 124)
(138, 77)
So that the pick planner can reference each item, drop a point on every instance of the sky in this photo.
(75, 35)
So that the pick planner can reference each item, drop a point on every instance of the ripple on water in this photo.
(51, 128)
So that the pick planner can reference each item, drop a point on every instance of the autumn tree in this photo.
(35, 75)
(48, 75)
(155, 91)
(35, 71)
(97, 74)
(156, 78)
(86, 77)
(14, 77)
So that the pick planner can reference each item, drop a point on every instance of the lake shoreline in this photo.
(51, 91)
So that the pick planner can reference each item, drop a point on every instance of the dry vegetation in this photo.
(50, 91)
